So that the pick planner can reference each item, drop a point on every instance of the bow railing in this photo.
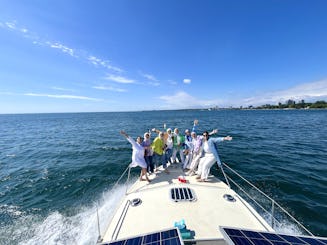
(272, 211)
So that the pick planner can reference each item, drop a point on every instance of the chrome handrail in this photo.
(116, 183)
(222, 170)
(122, 175)
(274, 203)
(120, 220)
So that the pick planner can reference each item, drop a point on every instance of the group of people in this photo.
(196, 153)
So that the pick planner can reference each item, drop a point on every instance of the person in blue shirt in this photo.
(210, 155)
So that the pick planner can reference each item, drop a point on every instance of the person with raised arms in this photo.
(210, 155)
(137, 155)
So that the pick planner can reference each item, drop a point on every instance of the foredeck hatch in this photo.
(182, 194)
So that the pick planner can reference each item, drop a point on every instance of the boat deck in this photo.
(203, 216)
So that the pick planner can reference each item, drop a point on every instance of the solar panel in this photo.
(235, 236)
(165, 237)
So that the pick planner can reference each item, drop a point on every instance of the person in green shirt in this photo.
(178, 146)
(158, 147)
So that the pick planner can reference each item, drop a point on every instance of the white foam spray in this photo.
(57, 228)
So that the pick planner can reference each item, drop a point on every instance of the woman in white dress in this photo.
(137, 155)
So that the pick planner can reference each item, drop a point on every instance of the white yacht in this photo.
(177, 209)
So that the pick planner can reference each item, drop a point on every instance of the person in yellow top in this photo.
(158, 147)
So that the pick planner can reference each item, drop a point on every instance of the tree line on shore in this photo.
(291, 104)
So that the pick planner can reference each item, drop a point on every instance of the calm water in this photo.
(56, 168)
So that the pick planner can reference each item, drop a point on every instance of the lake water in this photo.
(55, 169)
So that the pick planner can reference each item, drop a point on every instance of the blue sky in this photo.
(105, 55)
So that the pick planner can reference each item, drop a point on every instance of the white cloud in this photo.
(307, 91)
(153, 81)
(62, 89)
(110, 88)
(11, 25)
(149, 77)
(37, 40)
(179, 99)
(98, 62)
(61, 47)
(119, 79)
(187, 81)
(63, 96)
(183, 100)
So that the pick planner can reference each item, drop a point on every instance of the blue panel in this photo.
(279, 243)
(134, 241)
(242, 237)
(292, 239)
(272, 237)
(153, 243)
(151, 238)
(252, 234)
(169, 237)
(168, 234)
(240, 240)
(323, 241)
(260, 242)
(233, 232)
(173, 241)
(116, 243)
(311, 241)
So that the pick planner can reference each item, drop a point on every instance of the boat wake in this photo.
(57, 228)
(285, 226)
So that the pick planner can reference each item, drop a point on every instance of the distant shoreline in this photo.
(194, 109)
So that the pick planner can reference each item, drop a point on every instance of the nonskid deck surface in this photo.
(203, 215)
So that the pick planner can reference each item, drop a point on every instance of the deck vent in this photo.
(182, 194)
(135, 202)
(229, 198)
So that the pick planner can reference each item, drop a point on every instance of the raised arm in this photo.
(220, 139)
(195, 125)
(123, 133)
(155, 130)
(213, 132)
(229, 138)
(129, 139)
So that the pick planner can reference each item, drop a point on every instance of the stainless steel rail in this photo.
(125, 208)
(120, 221)
(274, 204)
(122, 175)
